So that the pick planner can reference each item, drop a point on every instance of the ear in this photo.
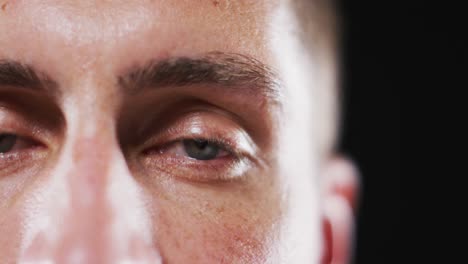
(339, 191)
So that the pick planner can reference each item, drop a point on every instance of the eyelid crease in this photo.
(32, 116)
(236, 141)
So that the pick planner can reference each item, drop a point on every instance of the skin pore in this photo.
(166, 132)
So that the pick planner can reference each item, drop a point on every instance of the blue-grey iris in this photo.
(201, 149)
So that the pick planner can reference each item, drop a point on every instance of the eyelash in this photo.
(221, 143)
(218, 169)
(11, 161)
(22, 139)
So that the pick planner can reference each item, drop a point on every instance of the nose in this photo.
(96, 211)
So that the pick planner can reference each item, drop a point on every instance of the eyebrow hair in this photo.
(13, 73)
(230, 70)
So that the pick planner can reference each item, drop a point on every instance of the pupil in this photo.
(200, 149)
(7, 141)
(201, 143)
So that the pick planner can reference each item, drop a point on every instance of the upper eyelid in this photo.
(31, 116)
(27, 131)
(12, 123)
(193, 124)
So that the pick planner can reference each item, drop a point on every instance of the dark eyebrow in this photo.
(13, 73)
(216, 68)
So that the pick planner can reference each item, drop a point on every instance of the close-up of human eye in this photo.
(198, 159)
(16, 151)
(24, 135)
(200, 147)
(12, 143)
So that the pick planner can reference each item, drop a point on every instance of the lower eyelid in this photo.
(13, 162)
(222, 169)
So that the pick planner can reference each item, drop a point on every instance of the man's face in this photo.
(156, 131)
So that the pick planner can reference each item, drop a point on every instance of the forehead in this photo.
(87, 32)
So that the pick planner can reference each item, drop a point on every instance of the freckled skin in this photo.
(87, 199)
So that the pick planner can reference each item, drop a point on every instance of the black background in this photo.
(373, 68)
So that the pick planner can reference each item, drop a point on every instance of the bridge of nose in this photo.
(104, 219)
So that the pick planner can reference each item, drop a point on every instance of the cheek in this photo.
(187, 238)
(16, 190)
(10, 238)
(215, 229)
